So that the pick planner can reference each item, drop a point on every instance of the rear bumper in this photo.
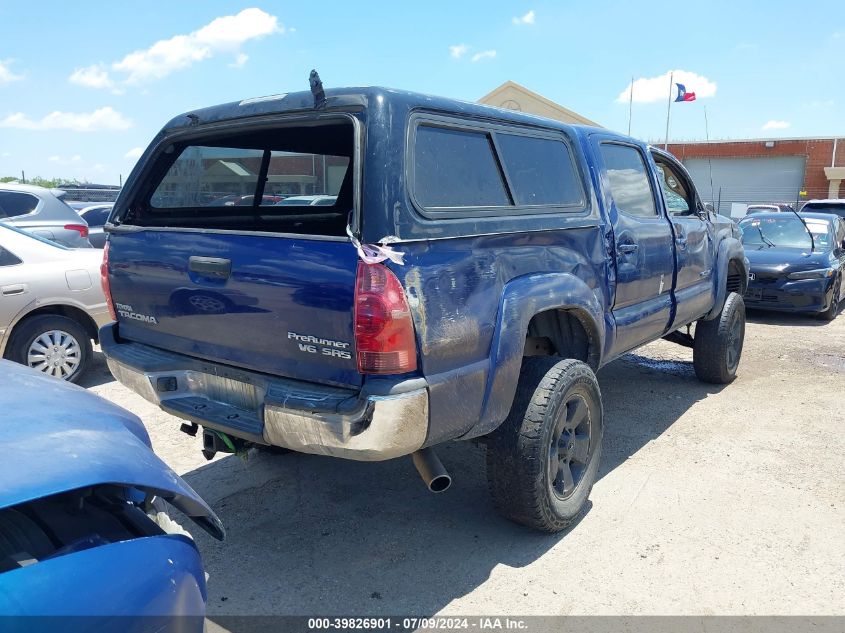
(384, 420)
(807, 295)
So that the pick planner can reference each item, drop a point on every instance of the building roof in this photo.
(513, 96)
(776, 139)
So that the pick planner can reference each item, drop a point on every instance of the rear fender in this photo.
(523, 298)
(730, 249)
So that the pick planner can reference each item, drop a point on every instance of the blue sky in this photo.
(83, 85)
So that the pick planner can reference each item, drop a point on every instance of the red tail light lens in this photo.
(384, 330)
(104, 280)
(83, 230)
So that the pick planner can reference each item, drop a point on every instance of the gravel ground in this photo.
(711, 500)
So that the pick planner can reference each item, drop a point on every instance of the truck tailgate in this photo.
(279, 305)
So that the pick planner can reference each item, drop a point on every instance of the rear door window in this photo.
(629, 183)
(7, 258)
(15, 203)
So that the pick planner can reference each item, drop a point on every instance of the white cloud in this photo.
(775, 125)
(528, 18)
(62, 160)
(105, 118)
(222, 35)
(651, 89)
(483, 55)
(6, 154)
(240, 60)
(6, 74)
(94, 76)
(134, 153)
(458, 51)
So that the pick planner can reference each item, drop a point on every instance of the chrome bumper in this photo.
(300, 416)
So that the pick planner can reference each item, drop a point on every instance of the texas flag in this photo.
(683, 95)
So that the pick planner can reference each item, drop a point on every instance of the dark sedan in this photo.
(795, 266)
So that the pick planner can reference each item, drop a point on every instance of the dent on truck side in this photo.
(472, 300)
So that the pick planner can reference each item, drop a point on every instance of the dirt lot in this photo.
(711, 500)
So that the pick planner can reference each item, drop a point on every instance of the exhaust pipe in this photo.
(431, 470)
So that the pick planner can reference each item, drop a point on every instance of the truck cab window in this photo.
(629, 182)
(675, 192)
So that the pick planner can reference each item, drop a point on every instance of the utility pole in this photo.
(23, 177)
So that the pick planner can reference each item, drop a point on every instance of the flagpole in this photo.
(709, 162)
(668, 110)
(630, 105)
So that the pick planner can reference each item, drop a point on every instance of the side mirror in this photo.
(709, 207)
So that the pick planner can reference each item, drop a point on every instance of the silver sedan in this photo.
(51, 303)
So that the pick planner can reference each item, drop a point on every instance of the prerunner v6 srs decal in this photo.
(324, 346)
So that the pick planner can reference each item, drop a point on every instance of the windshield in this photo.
(837, 208)
(787, 231)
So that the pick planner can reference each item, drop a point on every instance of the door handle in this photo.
(627, 248)
(216, 267)
(681, 241)
(13, 289)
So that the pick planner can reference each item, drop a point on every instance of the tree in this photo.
(49, 183)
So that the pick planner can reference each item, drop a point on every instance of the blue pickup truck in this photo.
(469, 270)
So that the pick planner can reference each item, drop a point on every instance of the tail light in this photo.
(384, 330)
(104, 280)
(81, 228)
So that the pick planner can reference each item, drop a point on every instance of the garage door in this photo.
(748, 180)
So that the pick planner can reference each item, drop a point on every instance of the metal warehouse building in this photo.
(791, 170)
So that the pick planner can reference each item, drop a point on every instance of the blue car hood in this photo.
(59, 437)
(773, 257)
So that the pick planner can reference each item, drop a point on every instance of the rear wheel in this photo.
(833, 310)
(543, 460)
(717, 346)
(52, 344)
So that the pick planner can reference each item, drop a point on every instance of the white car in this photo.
(51, 303)
(308, 201)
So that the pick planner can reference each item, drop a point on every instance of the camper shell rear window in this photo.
(293, 178)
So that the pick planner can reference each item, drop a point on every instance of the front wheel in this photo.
(543, 460)
(717, 346)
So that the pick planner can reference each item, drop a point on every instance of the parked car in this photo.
(84, 522)
(246, 201)
(96, 216)
(834, 206)
(478, 266)
(308, 201)
(796, 266)
(42, 212)
(769, 208)
(51, 303)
